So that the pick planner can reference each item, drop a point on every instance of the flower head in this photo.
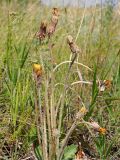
(97, 127)
(55, 11)
(103, 85)
(73, 47)
(69, 39)
(83, 110)
(108, 84)
(94, 125)
(42, 32)
(37, 69)
(102, 130)
(54, 20)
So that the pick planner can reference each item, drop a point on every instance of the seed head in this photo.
(55, 11)
(103, 85)
(42, 32)
(54, 20)
(69, 39)
(73, 47)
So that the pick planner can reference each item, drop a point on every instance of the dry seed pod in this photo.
(73, 47)
(43, 30)
(55, 11)
(50, 30)
(94, 125)
(80, 155)
(69, 39)
(54, 20)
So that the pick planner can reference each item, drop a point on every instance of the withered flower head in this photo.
(108, 83)
(37, 69)
(94, 125)
(73, 47)
(103, 85)
(80, 155)
(69, 39)
(43, 29)
(50, 30)
(54, 20)
(55, 11)
(81, 113)
(52, 26)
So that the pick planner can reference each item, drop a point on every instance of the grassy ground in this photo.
(27, 112)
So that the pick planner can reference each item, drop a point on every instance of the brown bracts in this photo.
(42, 31)
(73, 47)
(54, 20)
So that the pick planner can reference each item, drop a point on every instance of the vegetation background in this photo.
(97, 33)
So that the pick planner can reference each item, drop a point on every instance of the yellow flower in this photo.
(37, 68)
(83, 110)
(102, 130)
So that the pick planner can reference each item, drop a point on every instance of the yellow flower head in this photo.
(37, 68)
(83, 110)
(102, 130)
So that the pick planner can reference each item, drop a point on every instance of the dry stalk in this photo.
(75, 50)
(65, 141)
(41, 118)
(78, 120)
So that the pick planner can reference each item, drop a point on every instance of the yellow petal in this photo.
(83, 110)
(102, 130)
(37, 68)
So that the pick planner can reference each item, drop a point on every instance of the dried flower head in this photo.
(43, 30)
(54, 20)
(73, 47)
(50, 30)
(103, 85)
(108, 84)
(37, 69)
(94, 125)
(80, 155)
(69, 39)
(81, 113)
(55, 11)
